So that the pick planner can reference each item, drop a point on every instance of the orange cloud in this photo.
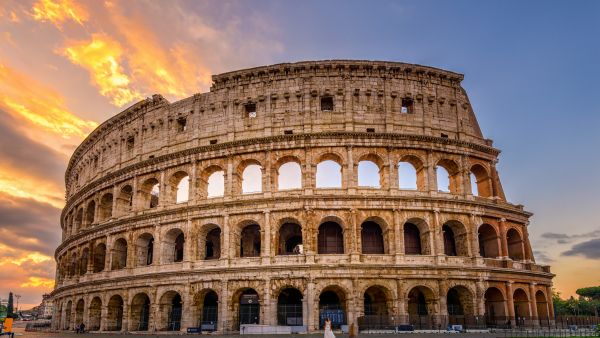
(17, 183)
(102, 57)
(59, 12)
(24, 98)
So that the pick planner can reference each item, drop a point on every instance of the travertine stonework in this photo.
(121, 256)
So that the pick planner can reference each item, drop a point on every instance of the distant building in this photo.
(44, 310)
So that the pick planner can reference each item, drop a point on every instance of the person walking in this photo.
(328, 332)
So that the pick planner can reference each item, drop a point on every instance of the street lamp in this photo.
(17, 308)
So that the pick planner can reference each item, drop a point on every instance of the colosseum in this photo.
(361, 191)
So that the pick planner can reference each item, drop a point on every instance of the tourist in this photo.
(328, 332)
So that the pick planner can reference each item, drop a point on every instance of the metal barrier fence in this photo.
(38, 326)
(473, 322)
(548, 332)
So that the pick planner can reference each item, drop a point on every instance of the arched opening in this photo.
(542, 307)
(79, 220)
(249, 307)
(212, 244)
(250, 241)
(412, 240)
(209, 311)
(289, 307)
(94, 316)
(447, 176)
(173, 246)
(515, 245)
(289, 176)
(449, 242)
(114, 316)
(83, 261)
(89, 213)
(125, 200)
(488, 241)
(171, 306)
(330, 238)
(481, 183)
(140, 312)
(521, 303)
(495, 313)
(105, 208)
(119, 254)
(99, 257)
(149, 193)
(145, 249)
(329, 174)
(407, 176)
(79, 308)
(290, 239)
(459, 303)
(252, 179)
(216, 184)
(73, 265)
(375, 302)
(68, 309)
(180, 185)
(369, 174)
(332, 305)
(420, 306)
(372, 238)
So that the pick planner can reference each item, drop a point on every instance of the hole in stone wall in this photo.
(327, 103)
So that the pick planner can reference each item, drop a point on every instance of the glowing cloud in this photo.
(59, 11)
(101, 57)
(19, 184)
(23, 97)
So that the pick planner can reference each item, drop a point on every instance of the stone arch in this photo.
(206, 304)
(212, 182)
(447, 171)
(370, 171)
(119, 254)
(173, 246)
(247, 306)
(105, 207)
(170, 311)
(416, 237)
(99, 257)
(288, 171)
(94, 314)
(495, 303)
(149, 193)
(521, 304)
(114, 316)
(251, 176)
(124, 203)
(178, 187)
(411, 173)
(250, 241)
(209, 241)
(459, 302)
(73, 265)
(78, 225)
(90, 213)
(421, 304)
(333, 304)
(372, 237)
(144, 248)
(542, 305)
(515, 244)
(79, 310)
(456, 238)
(140, 312)
(488, 241)
(329, 171)
(68, 325)
(289, 239)
(481, 182)
(330, 236)
(377, 301)
(289, 307)
(83, 261)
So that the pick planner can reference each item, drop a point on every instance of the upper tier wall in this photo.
(366, 95)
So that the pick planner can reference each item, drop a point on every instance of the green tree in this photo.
(10, 307)
(592, 297)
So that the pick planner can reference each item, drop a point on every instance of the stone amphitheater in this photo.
(361, 191)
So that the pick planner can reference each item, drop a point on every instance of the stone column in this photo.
(353, 237)
(431, 177)
(125, 320)
(225, 240)
(549, 302)
(267, 319)
(224, 307)
(474, 230)
(229, 184)
(503, 242)
(104, 315)
(533, 305)
(349, 177)
(162, 195)
(266, 247)
(510, 302)
(310, 305)
(528, 251)
(187, 245)
(438, 242)
(398, 236)
(266, 178)
(193, 184)
(187, 315)
(114, 211)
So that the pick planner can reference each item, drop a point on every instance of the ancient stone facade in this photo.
(160, 232)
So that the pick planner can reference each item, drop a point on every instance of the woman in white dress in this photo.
(328, 332)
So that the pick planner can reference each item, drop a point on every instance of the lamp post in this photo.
(17, 308)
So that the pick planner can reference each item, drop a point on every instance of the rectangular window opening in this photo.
(407, 106)
(288, 132)
(181, 124)
(370, 130)
(444, 135)
(130, 142)
(327, 103)
(250, 110)
(213, 141)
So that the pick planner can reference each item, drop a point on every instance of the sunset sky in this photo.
(531, 70)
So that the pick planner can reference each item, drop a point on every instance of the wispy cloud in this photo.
(59, 11)
(589, 249)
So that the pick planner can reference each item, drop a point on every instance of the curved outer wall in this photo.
(476, 247)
